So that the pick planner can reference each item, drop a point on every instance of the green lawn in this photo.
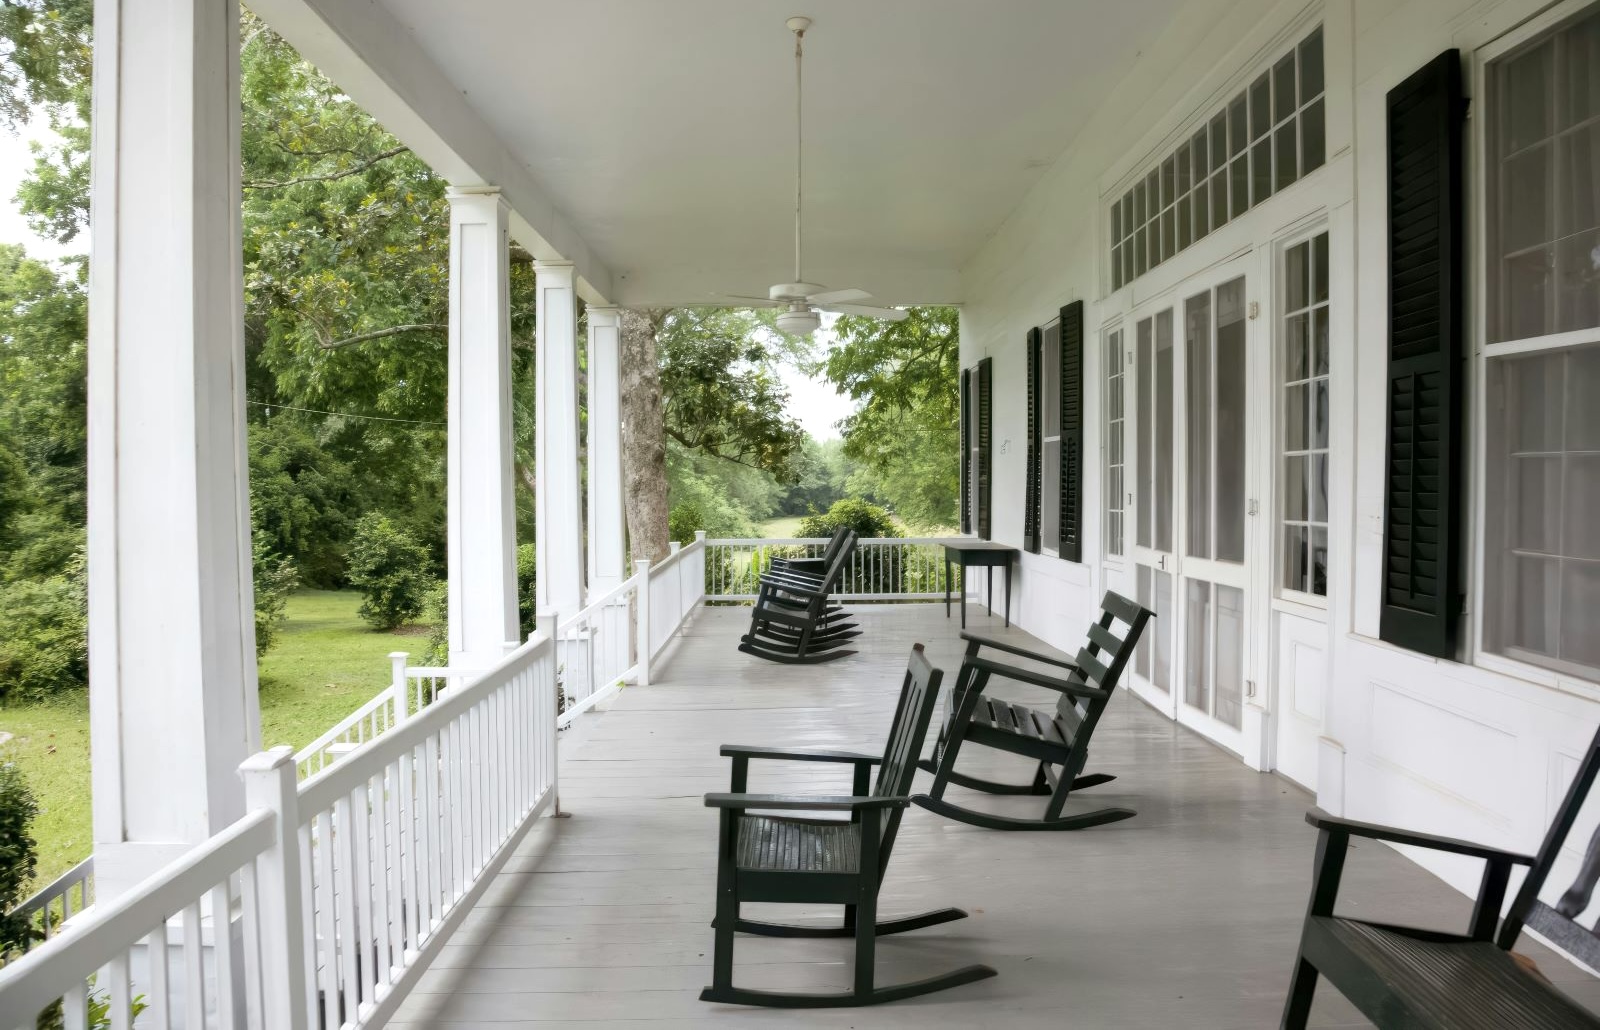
(325, 665)
(782, 529)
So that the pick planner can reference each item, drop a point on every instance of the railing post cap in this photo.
(393, 655)
(699, 534)
(268, 760)
(675, 546)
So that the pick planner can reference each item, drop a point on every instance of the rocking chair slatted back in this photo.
(1104, 646)
(919, 694)
(1558, 922)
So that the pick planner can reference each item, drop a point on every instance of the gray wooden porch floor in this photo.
(1185, 916)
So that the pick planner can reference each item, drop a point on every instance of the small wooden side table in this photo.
(982, 554)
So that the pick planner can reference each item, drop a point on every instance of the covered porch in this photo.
(1186, 915)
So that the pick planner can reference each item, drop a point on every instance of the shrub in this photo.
(879, 573)
(436, 607)
(390, 569)
(684, 521)
(868, 520)
(275, 579)
(44, 648)
(18, 853)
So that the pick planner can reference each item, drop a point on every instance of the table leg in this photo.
(963, 593)
(988, 583)
(947, 586)
(1008, 595)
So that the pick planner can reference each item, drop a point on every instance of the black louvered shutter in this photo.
(1031, 510)
(966, 450)
(1071, 499)
(1422, 490)
(985, 406)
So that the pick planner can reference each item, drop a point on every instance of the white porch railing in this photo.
(418, 685)
(324, 904)
(52, 905)
(881, 569)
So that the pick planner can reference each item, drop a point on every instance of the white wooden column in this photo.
(559, 502)
(171, 625)
(608, 535)
(482, 542)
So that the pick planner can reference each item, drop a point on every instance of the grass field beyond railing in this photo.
(327, 662)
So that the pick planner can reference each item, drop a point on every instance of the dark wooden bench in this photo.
(794, 620)
(1400, 976)
(810, 861)
(1058, 740)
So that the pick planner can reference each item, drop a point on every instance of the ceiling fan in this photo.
(801, 301)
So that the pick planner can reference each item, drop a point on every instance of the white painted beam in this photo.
(482, 538)
(608, 536)
(360, 46)
(171, 612)
(558, 497)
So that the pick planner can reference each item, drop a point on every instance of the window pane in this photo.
(1526, 293)
(1319, 414)
(1582, 379)
(1296, 571)
(1197, 656)
(1534, 590)
(1185, 176)
(1313, 142)
(1141, 655)
(1582, 62)
(1580, 599)
(1169, 181)
(1295, 469)
(1185, 223)
(1169, 233)
(1197, 336)
(1318, 488)
(1163, 621)
(1319, 341)
(1202, 210)
(1231, 425)
(1261, 171)
(1283, 98)
(1219, 141)
(1297, 341)
(1219, 200)
(1138, 205)
(1311, 66)
(1525, 87)
(1050, 491)
(1238, 131)
(1578, 273)
(1284, 154)
(1296, 401)
(1260, 106)
(1319, 562)
(1202, 163)
(1239, 185)
(1116, 268)
(1297, 278)
(1230, 655)
(1581, 527)
(1580, 179)
(1528, 201)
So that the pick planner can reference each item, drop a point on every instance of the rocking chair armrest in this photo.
(983, 641)
(1038, 679)
(793, 586)
(804, 802)
(1372, 831)
(797, 754)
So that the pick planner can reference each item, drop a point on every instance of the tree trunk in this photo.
(644, 437)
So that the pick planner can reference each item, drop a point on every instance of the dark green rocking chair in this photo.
(1058, 741)
(803, 860)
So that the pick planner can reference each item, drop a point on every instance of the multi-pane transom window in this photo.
(1269, 135)
(1303, 440)
(1544, 237)
(1116, 462)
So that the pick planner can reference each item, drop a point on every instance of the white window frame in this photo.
(1280, 314)
(1485, 353)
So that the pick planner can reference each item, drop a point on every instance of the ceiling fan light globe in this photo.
(799, 323)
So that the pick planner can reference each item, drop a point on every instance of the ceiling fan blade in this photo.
(840, 297)
(748, 302)
(887, 314)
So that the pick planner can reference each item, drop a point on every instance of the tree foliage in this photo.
(44, 53)
(18, 854)
(905, 376)
(390, 568)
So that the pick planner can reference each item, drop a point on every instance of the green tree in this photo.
(905, 434)
(44, 53)
(18, 854)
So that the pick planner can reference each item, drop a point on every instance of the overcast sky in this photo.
(15, 161)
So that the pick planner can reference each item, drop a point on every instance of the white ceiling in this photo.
(663, 129)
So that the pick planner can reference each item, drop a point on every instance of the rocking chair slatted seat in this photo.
(803, 860)
(1058, 740)
(1404, 977)
(793, 621)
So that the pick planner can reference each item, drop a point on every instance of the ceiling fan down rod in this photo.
(799, 26)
